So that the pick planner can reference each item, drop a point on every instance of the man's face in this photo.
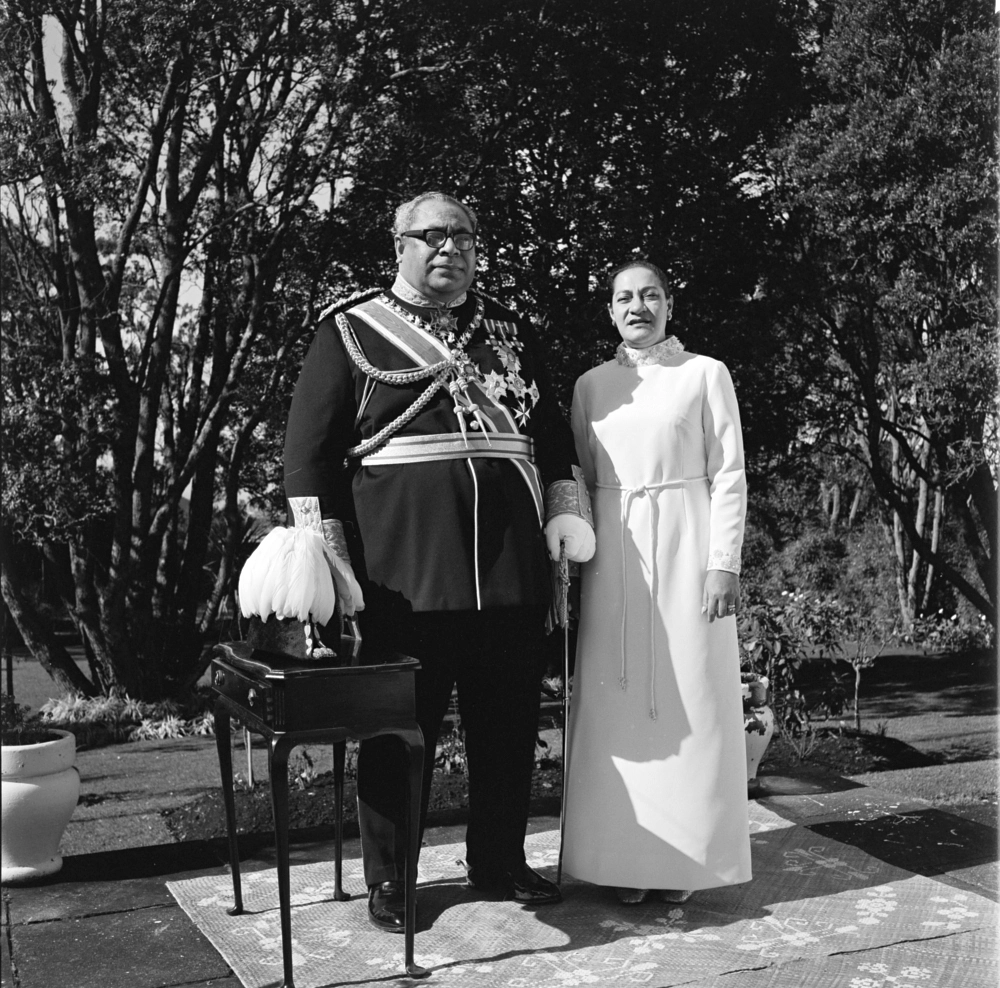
(442, 273)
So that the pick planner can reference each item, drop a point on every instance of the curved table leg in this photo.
(277, 763)
(224, 746)
(339, 756)
(414, 741)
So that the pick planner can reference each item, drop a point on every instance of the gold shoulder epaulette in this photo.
(345, 303)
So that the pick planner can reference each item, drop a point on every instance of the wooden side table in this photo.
(291, 702)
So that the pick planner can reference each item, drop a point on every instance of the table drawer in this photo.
(255, 695)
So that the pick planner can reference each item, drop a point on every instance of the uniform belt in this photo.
(451, 446)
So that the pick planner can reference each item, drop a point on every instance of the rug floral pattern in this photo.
(811, 898)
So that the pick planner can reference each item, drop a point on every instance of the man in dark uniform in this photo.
(424, 442)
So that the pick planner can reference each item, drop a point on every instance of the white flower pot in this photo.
(40, 786)
(757, 743)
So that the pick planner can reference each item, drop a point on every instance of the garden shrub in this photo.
(951, 635)
(111, 719)
(779, 635)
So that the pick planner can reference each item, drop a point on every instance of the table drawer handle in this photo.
(220, 677)
(251, 696)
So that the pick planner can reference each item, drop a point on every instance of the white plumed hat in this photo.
(290, 574)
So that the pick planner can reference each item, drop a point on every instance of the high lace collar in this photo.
(658, 353)
(401, 288)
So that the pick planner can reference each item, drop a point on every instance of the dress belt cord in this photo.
(629, 494)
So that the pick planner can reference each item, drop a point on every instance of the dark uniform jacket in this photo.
(412, 528)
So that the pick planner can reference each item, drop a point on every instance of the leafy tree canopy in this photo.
(889, 193)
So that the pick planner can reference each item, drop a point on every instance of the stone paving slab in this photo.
(92, 883)
(84, 889)
(143, 948)
(230, 982)
(142, 862)
(813, 798)
(6, 973)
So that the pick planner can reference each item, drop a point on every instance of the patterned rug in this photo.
(811, 900)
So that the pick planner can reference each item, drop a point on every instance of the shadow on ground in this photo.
(928, 842)
(904, 684)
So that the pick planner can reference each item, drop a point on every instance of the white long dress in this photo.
(656, 785)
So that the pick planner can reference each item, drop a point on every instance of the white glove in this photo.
(348, 589)
(578, 535)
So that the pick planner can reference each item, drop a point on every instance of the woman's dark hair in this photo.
(639, 262)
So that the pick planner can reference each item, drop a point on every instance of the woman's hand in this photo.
(721, 597)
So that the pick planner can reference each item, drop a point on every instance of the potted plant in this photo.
(758, 721)
(40, 788)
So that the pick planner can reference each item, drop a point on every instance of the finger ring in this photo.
(731, 609)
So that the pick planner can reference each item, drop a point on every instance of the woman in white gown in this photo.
(656, 783)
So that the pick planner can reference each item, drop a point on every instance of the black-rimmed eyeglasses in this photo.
(438, 238)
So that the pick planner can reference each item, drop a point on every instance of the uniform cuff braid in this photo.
(569, 497)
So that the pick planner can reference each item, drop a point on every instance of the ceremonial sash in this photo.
(424, 350)
(421, 347)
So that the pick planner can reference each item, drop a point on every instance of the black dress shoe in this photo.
(387, 907)
(520, 885)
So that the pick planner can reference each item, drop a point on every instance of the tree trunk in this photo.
(86, 611)
(899, 545)
(855, 505)
(857, 697)
(981, 491)
(920, 521)
(201, 511)
(935, 540)
(37, 635)
(898, 540)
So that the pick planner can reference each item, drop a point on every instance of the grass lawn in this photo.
(32, 684)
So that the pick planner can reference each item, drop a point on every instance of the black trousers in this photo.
(496, 659)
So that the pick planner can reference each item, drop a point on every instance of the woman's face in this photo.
(640, 307)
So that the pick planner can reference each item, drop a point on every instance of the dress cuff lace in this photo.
(728, 561)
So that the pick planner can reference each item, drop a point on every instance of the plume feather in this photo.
(254, 574)
(271, 579)
(308, 585)
(287, 574)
